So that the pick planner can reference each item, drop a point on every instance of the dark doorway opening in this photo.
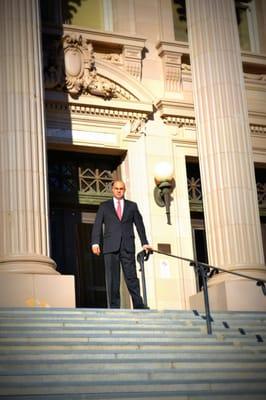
(78, 183)
(199, 246)
(196, 214)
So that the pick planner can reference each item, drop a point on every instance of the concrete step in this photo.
(231, 357)
(144, 374)
(113, 338)
(138, 354)
(245, 395)
(87, 338)
(188, 365)
(125, 387)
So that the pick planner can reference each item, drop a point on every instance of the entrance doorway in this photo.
(78, 183)
(91, 289)
(70, 239)
(199, 246)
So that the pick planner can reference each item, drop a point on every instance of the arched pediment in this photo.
(123, 80)
(77, 71)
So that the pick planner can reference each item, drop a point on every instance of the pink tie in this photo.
(119, 210)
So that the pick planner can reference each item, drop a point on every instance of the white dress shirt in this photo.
(122, 203)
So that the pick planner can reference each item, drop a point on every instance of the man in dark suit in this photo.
(115, 218)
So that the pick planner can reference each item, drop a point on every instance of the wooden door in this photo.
(71, 239)
(90, 288)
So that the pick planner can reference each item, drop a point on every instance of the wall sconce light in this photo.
(163, 176)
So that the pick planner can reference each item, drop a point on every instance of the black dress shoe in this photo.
(142, 307)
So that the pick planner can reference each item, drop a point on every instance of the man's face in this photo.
(118, 190)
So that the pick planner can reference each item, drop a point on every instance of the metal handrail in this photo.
(201, 268)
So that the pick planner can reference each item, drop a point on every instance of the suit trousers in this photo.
(112, 276)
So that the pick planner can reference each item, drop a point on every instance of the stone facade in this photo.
(137, 92)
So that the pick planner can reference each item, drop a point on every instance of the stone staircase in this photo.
(75, 354)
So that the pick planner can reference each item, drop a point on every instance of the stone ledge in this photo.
(35, 290)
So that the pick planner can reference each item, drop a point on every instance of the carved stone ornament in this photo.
(75, 72)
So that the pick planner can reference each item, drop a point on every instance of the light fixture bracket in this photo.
(157, 194)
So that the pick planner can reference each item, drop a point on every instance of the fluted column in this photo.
(24, 245)
(224, 144)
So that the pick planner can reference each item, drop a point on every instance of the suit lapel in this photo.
(126, 205)
(112, 208)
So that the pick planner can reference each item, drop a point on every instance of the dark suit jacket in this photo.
(115, 231)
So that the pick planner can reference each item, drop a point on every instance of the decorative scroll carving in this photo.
(138, 125)
(135, 127)
(73, 70)
(113, 58)
(186, 67)
(101, 86)
(78, 63)
(128, 58)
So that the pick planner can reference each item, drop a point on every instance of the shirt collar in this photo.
(116, 200)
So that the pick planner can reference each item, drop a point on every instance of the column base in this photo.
(233, 295)
(29, 264)
(36, 290)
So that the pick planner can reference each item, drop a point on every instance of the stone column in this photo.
(24, 241)
(225, 153)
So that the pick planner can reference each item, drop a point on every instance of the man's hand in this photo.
(148, 248)
(96, 249)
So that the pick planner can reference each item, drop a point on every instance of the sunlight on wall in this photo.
(89, 14)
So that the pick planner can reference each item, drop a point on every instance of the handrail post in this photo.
(202, 269)
(263, 287)
(141, 257)
(203, 272)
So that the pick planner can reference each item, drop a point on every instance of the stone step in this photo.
(115, 344)
(244, 395)
(72, 331)
(115, 347)
(111, 338)
(35, 375)
(128, 315)
(139, 354)
(18, 338)
(62, 327)
(126, 359)
(132, 317)
(105, 311)
(126, 387)
(127, 345)
(91, 323)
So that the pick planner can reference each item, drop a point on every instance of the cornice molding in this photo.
(174, 47)
(176, 112)
(128, 112)
(180, 121)
(105, 37)
(258, 130)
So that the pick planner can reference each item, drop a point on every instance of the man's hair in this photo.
(118, 180)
